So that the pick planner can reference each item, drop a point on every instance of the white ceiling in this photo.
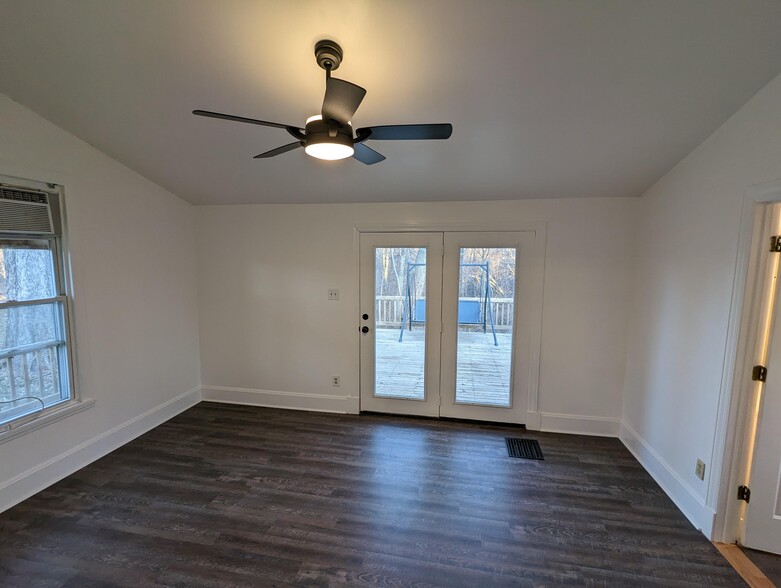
(548, 98)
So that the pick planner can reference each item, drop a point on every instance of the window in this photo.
(35, 371)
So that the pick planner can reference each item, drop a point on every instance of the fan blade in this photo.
(341, 100)
(408, 132)
(241, 119)
(367, 155)
(279, 150)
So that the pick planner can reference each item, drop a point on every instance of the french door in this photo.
(446, 324)
(401, 285)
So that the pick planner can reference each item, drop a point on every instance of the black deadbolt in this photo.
(365, 316)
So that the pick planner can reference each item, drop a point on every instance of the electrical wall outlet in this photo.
(333, 294)
(699, 471)
(336, 381)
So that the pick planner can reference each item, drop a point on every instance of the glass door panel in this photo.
(400, 323)
(486, 300)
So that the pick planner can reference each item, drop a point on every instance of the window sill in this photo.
(50, 416)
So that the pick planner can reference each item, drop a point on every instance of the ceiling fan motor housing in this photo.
(329, 54)
(319, 131)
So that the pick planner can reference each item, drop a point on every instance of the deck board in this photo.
(483, 368)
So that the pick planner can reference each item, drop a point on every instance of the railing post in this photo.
(40, 371)
(11, 377)
(26, 371)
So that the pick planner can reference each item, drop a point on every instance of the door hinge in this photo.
(744, 493)
(759, 374)
(775, 243)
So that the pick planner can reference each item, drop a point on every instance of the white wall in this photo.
(688, 227)
(268, 334)
(135, 302)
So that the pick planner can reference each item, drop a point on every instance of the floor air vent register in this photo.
(523, 448)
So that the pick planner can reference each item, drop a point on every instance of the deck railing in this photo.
(27, 372)
(389, 311)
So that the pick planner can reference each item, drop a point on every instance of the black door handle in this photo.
(364, 329)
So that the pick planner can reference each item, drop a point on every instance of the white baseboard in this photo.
(680, 492)
(574, 424)
(42, 476)
(275, 399)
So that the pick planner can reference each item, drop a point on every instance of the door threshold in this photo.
(747, 569)
(446, 419)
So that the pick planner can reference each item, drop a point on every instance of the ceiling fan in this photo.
(329, 135)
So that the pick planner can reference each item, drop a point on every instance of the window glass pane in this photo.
(26, 270)
(31, 355)
(400, 322)
(30, 382)
(28, 325)
(486, 298)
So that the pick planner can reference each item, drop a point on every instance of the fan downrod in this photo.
(328, 54)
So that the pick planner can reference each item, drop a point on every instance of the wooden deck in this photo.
(483, 368)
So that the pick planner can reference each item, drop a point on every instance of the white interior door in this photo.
(487, 325)
(401, 293)
(762, 529)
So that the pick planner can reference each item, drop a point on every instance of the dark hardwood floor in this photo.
(241, 496)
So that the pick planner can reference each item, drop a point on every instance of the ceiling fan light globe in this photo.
(329, 151)
(320, 143)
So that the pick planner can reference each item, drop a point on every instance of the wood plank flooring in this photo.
(243, 496)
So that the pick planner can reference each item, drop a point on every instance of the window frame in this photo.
(68, 378)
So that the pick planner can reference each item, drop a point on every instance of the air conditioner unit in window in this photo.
(26, 212)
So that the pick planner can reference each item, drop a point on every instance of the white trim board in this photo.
(574, 424)
(280, 399)
(412, 226)
(54, 414)
(44, 475)
(692, 506)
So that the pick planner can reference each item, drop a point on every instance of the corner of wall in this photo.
(42, 476)
(680, 492)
